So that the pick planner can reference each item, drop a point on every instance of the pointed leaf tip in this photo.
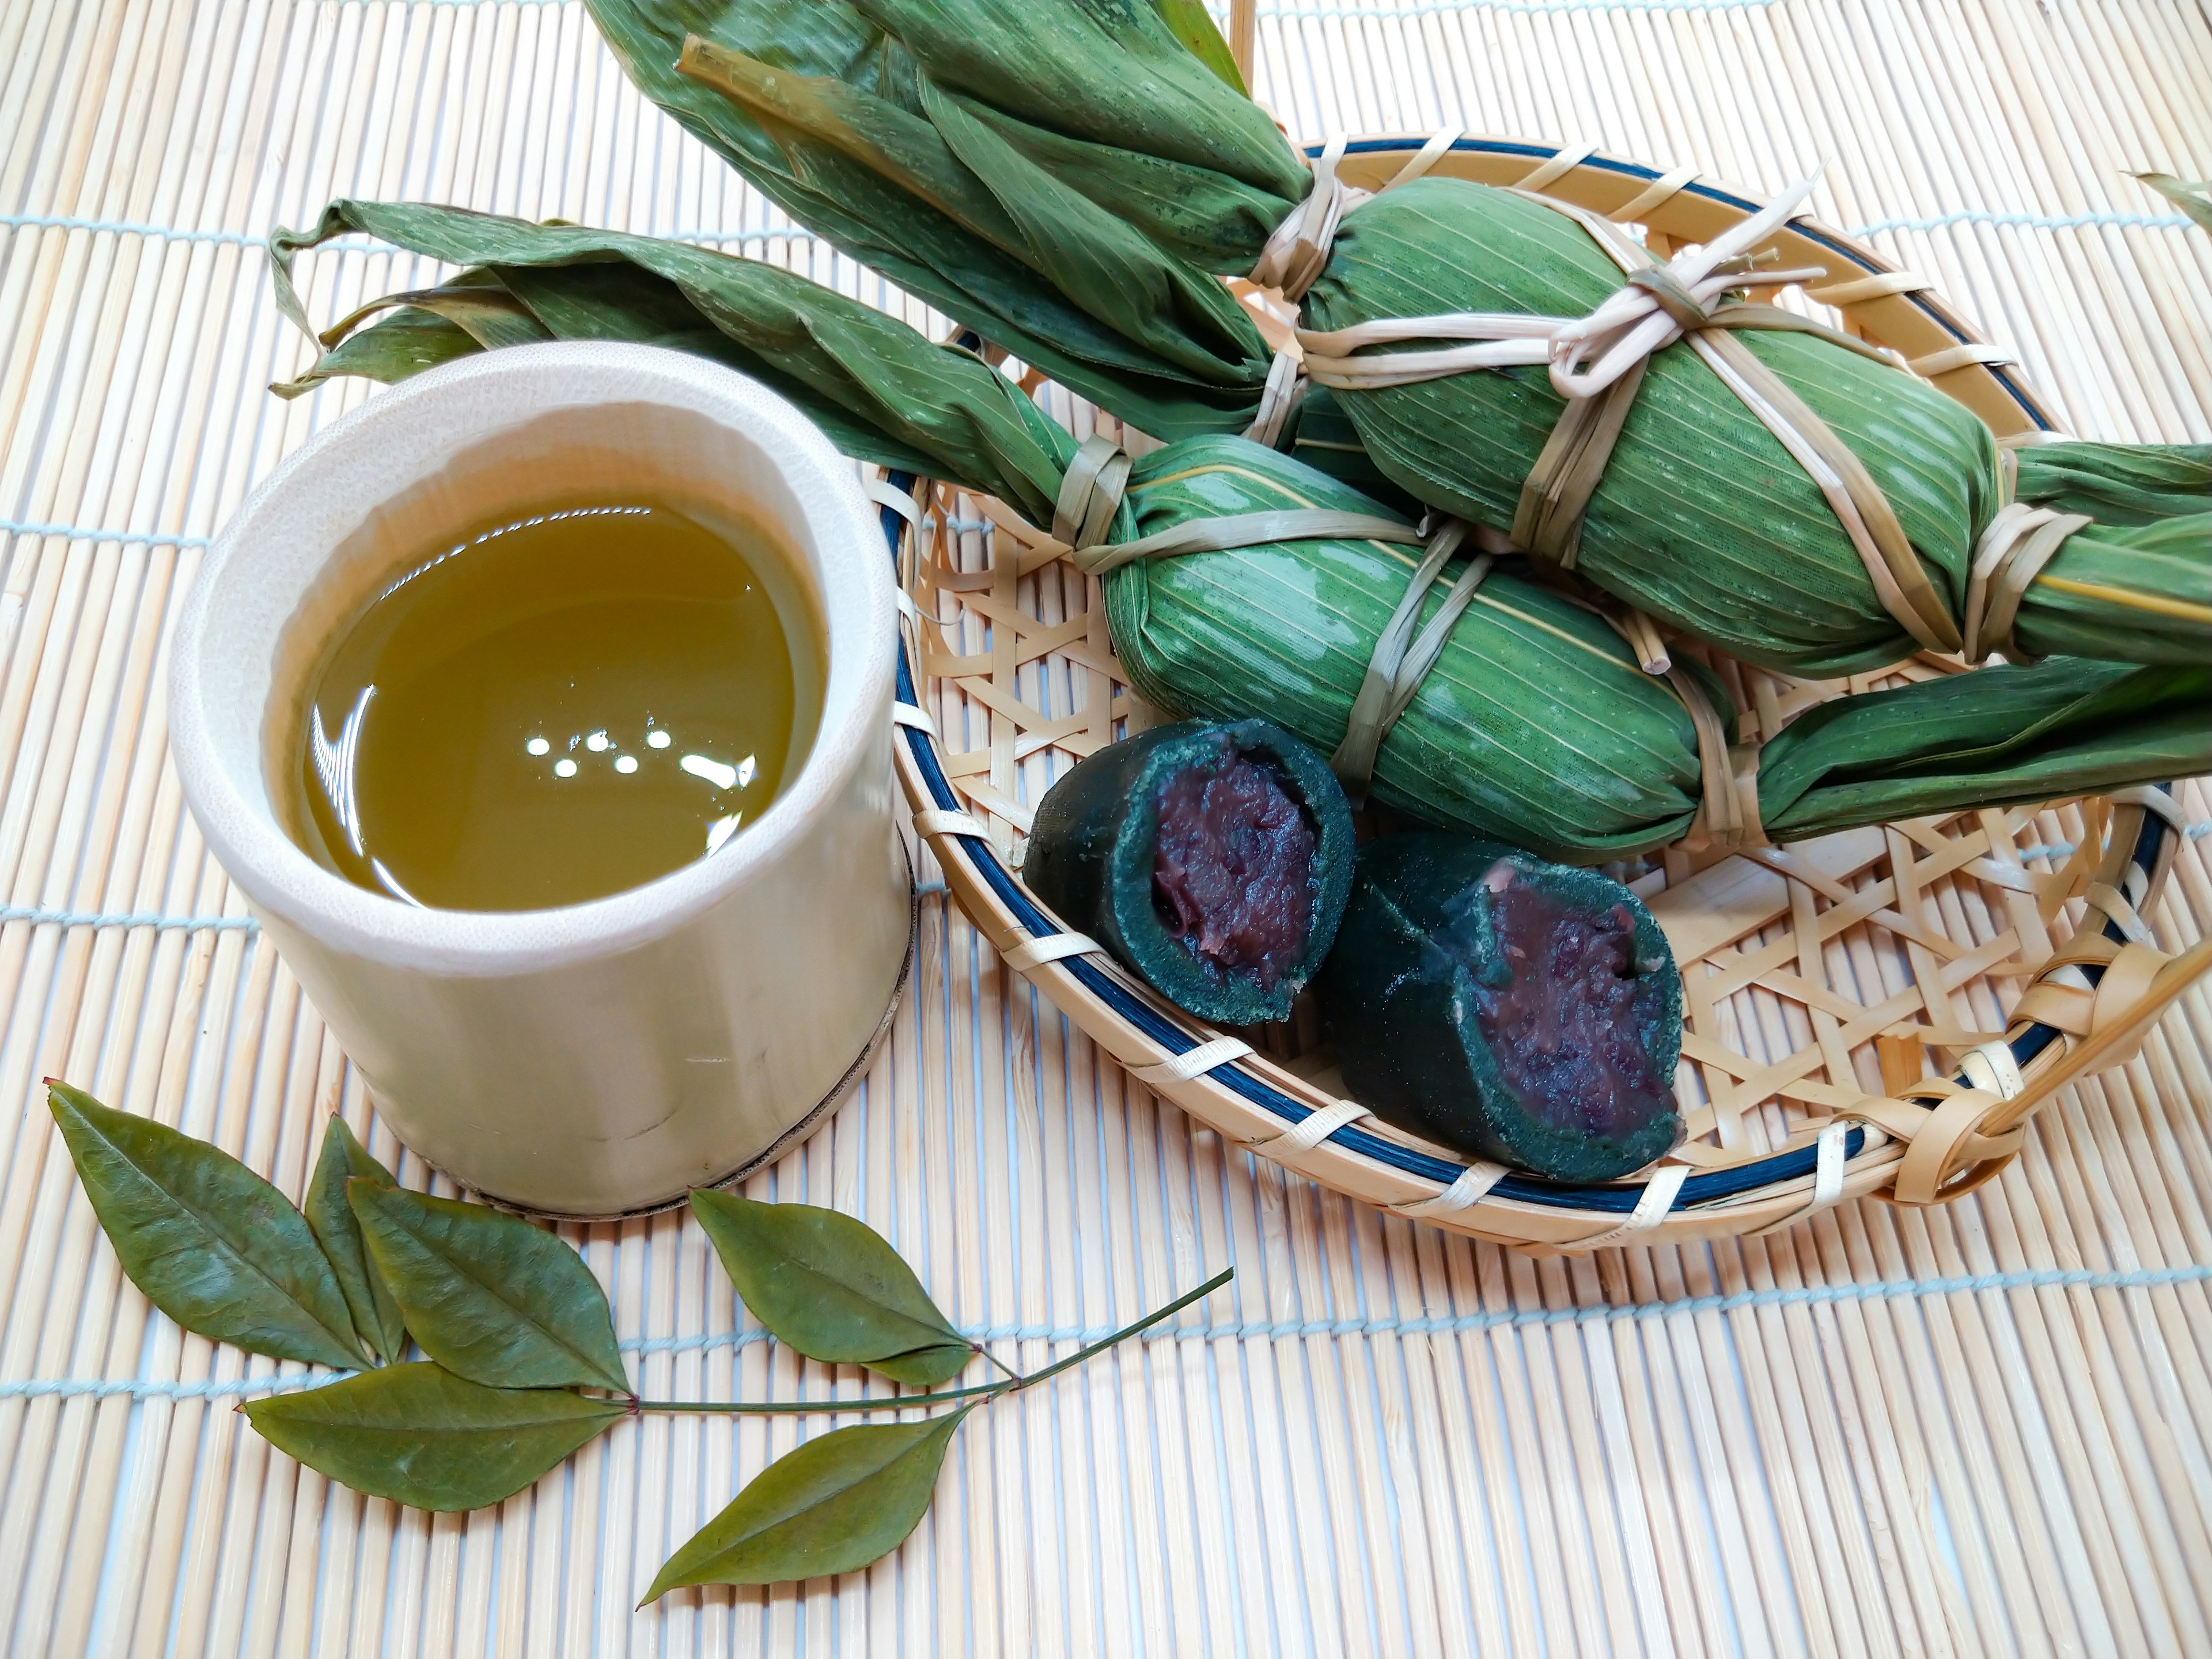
(211, 1244)
(839, 1502)
(831, 1287)
(375, 1311)
(487, 1295)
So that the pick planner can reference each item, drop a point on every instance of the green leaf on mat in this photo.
(419, 1435)
(831, 1287)
(1189, 22)
(212, 1244)
(2192, 196)
(836, 1504)
(375, 1311)
(489, 1296)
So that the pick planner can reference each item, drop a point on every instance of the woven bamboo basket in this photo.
(2003, 949)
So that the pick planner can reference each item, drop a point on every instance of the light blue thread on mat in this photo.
(1537, 7)
(77, 532)
(1443, 1325)
(350, 241)
(124, 227)
(39, 917)
(2027, 221)
(1293, 9)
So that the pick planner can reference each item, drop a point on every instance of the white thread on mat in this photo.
(2038, 1279)
(913, 715)
(1181, 1068)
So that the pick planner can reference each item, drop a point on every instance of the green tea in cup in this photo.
(558, 706)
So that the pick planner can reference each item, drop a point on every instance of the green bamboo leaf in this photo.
(831, 1287)
(212, 1244)
(2192, 196)
(419, 1435)
(375, 1311)
(1189, 23)
(836, 1504)
(489, 1296)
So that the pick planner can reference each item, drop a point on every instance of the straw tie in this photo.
(2019, 542)
(1089, 501)
(1597, 363)
(1727, 805)
(1297, 252)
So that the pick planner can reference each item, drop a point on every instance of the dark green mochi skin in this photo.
(1426, 947)
(1092, 848)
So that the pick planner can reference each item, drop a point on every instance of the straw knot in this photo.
(1090, 493)
(1297, 250)
(2019, 542)
(1296, 253)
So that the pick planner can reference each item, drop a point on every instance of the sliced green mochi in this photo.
(1526, 1012)
(1212, 859)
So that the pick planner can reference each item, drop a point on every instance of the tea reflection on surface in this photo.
(553, 709)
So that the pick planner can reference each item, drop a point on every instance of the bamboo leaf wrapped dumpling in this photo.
(1212, 861)
(1525, 1012)
(1795, 499)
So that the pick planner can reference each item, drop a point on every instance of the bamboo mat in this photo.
(1980, 1431)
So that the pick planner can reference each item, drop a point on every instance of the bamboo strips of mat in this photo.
(1976, 1430)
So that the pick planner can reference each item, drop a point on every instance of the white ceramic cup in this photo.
(597, 1058)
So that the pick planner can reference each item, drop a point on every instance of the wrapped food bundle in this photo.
(1735, 471)
(1213, 860)
(1239, 583)
(1525, 1012)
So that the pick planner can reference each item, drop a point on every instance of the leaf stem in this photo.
(1128, 1331)
(902, 1402)
(1012, 1375)
(824, 1407)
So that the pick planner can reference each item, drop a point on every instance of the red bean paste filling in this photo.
(1233, 874)
(1567, 1033)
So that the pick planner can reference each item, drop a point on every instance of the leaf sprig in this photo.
(521, 1367)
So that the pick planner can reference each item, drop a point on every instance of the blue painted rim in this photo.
(1698, 1189)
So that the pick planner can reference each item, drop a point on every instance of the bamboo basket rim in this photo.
(1277, 1114)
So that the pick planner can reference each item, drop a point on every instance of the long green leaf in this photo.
(831, 1287)
(836, 1504)
(1189, 22)
(878, 389)
(894, 231)
(212, 1244)
(488, 1296)
(419, 1435)
(1997, 737)
(375, 1312)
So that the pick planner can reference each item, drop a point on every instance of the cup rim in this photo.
(281, 881)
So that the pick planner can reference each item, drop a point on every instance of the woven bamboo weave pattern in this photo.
(1980, 1429)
